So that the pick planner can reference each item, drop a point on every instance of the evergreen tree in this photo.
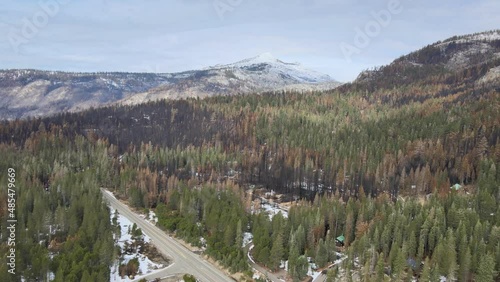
(380, 268)
(426, 271)
(451, 256)
(321, 254)
(465, 264)
(277, 253)
(486, 269)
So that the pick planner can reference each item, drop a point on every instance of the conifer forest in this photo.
(396, 174)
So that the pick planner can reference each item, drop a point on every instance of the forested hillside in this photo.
(374, 161)
(63, 230)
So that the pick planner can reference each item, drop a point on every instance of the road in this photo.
(184, 261)
(269, 275)
(321, 278)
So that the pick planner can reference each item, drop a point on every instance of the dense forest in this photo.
(63, 230)
(373, 160)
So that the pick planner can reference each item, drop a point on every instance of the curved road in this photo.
(269, 275)
(184, 261)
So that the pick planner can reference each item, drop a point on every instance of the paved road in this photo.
(270, 276)
(184, 261)
(321, 278)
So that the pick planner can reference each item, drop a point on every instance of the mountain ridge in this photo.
(34, 93)
(452, 57)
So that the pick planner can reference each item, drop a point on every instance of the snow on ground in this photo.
(125, 227)
(340, 260)
(247, 238)
(276, 67)
(284, 265)
(256, 275)
(248, 254)
(311, 271)
(273, 209)
(146, 266)
(152, 217)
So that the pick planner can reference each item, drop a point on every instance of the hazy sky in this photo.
(337, 37)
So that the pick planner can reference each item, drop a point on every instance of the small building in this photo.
(340, 240)
(456, 187)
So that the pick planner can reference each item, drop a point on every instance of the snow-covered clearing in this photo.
(273, 209)
(146, 266)
(247, 238)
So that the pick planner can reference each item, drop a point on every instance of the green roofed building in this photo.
(340, 239)
(456, 187)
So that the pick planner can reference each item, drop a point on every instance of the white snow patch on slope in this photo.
(267, 64)
(485, 36)
(273, 210)
(146, 266)
(247, 238)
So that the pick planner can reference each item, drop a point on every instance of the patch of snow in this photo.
(256, 275)
(341, 259)
(152, 217)
(492, 76)
(249, 256)
(247, 238)
(273, 209)
(313, 273)
(461, 59)
(146, 266)
(203, 243)
(266, 63)
(485, 36)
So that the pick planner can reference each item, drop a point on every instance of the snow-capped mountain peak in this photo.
(264, 58)
(266, 64)
(52, 92)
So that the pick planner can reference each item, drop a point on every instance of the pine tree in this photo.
(399, 266)
(451, 256)
(486, 269)
(239, 234)
(277, 252)
(293, 257)
(465, 264)
(380, 267)
(331, 275)
(426, 271)
(435, 271)
(300, 268)
(321, 254)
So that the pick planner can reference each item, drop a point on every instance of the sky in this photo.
(337, 37)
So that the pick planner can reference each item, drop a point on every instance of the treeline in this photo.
(63, 230)
(292, 143)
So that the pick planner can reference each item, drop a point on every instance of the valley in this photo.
(394, 176)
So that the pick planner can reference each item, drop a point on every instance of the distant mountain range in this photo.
(473, 59)
(33, 93)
